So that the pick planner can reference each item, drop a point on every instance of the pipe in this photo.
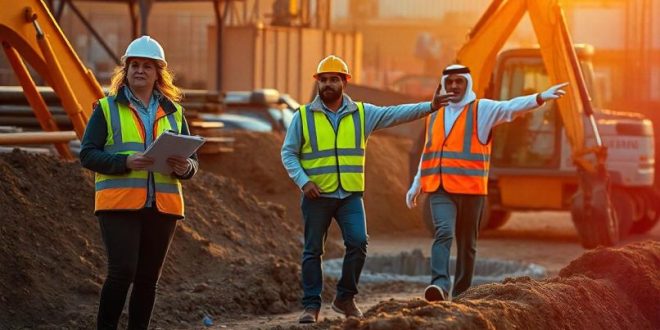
(37, 137)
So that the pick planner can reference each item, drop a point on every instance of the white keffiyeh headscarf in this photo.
(469, 96)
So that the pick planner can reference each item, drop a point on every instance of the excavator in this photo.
(29, 33)
(568, 155)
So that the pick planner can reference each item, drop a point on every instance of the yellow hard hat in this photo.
(333, 64)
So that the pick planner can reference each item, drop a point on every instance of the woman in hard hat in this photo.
(137, 209)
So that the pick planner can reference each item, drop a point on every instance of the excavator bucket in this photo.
(592, 211)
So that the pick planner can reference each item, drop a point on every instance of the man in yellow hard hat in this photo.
(324, 154)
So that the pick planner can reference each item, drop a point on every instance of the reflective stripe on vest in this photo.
(126, 136)
(459, 162)
(330, 158)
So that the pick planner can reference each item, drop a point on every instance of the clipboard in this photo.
(171, 144)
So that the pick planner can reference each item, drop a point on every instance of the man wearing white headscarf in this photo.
(453, 169)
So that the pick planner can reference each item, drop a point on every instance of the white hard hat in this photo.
(145, 47)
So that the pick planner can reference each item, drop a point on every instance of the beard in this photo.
(329, 95)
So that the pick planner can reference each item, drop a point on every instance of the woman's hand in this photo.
(138, 161)
(180, 165)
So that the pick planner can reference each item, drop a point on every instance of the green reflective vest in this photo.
(332, 158)
(126, 136)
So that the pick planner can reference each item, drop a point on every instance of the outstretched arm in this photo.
(383, 117)
(493, 113)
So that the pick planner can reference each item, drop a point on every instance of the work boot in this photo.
(347, 307)
(309, 315)
(434, 293)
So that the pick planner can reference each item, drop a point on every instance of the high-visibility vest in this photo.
(126, 136)
(332, 158)
(459, 162)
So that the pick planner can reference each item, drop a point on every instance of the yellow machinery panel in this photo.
(528, 192)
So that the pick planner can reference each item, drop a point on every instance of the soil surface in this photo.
(54, 261)
(236, 256)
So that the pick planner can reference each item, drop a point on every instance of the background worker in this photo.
(324, 154)
(137, 209)
(453, 169)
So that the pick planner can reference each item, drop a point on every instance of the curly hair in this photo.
(164, 83)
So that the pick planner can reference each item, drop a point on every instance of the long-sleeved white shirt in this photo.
(490, 114)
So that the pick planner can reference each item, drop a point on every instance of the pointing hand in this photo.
(553, 92)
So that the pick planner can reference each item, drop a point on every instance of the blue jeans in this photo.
(462, 212)
(317, 215)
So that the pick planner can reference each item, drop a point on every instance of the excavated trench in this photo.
(414, 267)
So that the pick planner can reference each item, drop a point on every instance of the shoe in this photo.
(309, 315)
(347, 307)
(434, 293)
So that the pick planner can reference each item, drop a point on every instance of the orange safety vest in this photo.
(459, 162)
(126, 136)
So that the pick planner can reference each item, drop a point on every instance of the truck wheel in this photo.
(624, 206)
(651, 213)
(493, 219)
(643, 226)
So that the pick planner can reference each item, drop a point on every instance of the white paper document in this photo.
(171, 144)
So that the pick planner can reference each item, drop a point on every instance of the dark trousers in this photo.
(317, 215)
(454, 215)
(136, 243)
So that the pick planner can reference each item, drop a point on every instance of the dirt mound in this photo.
(53, 260)
(603, 289)
(256, 164)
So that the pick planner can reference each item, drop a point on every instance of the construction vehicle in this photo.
(30, 34)
(567, 155)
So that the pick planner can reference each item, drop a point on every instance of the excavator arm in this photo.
(29, 32)
(591, 208)
(487, 39)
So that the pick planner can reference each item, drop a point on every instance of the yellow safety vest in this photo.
(126, 136)
(332, 158)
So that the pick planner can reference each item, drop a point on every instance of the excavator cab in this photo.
(534, 151)
(533, 141)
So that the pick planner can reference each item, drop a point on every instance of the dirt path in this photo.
(544, 238)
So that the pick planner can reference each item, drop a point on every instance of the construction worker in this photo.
(453, 169)
(137, 209)
(324, 154)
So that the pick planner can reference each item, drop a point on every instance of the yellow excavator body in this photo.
(28, 32)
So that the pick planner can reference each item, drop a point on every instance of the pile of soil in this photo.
(613, 288)
(257, 165)
(233, 255)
